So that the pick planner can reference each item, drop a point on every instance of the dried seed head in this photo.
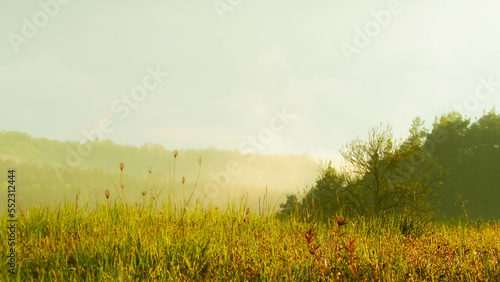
(175, 153)
(199, 160)
(122, 166)
(183, 179)
(106, 193)
(144, 193)
(150, 169)
(122, 185)
(248, 211)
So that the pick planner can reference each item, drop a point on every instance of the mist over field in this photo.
(51, 172)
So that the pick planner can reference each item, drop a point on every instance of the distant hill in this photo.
(53, 170)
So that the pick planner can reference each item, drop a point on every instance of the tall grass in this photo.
(119, 241)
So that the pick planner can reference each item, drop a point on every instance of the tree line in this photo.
(449, 171)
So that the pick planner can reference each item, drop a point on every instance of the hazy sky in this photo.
(66, 68)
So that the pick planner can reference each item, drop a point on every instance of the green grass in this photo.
(119, 243)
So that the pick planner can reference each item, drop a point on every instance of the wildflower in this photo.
(340, 221)
(309, 236)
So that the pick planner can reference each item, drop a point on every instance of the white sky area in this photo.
(229, 69)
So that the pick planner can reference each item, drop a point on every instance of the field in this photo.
(116, 242)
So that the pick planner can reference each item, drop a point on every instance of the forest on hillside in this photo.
(51, 171)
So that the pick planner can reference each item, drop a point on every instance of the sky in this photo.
(282, 76)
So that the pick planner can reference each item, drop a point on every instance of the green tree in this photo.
(291, 204)
(470, 154)
(329, 192)
(381, 175)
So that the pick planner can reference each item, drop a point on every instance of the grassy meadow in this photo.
(173, 234)
(138, 242)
